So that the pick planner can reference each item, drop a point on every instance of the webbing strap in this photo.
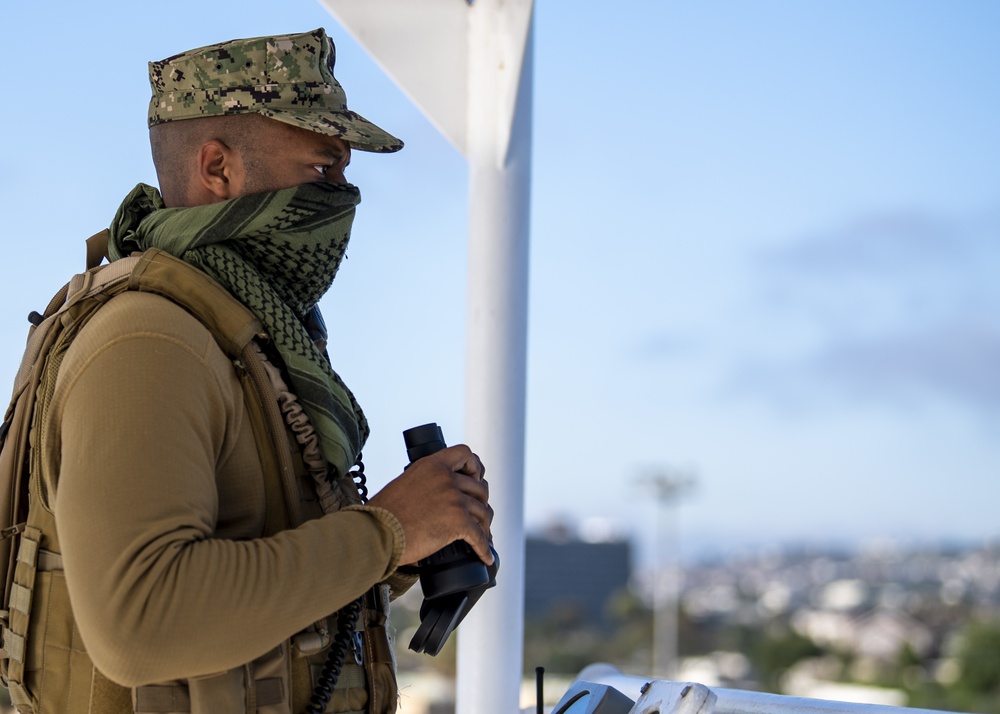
(351, 676)
(13, 645)
(153, 699)
(63, 300)
(20, 598)
(97, 248)
(378, 640)
(26, 553)
(48, 561)
(269, 692)
(19, 697)
(84, 285)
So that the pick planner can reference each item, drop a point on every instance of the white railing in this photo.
(664, 697)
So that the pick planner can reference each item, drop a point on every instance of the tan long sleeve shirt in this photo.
(160, 507)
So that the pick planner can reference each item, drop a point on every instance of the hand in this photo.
(439, 499)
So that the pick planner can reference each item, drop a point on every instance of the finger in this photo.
(473, 466)
(479, 540)
(482, 513)
(479, 490)
(462, 460)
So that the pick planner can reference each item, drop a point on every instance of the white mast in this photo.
(467, 64)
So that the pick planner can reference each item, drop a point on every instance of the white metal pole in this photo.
(490, 641)
(468, 65)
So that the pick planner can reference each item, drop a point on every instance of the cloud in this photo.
(664, 345)
(878, 243)
(897, 308)
(902, 252)
(957, 361)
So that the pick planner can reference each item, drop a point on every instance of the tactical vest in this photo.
(43, 661)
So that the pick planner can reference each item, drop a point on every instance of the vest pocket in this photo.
(261, 687)
(223, 693)
(272, 681)
(350, 696)
(380, 660)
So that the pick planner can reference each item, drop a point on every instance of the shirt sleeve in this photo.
(142, 415)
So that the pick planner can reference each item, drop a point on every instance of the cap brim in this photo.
(353, 128)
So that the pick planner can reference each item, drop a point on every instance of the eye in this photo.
(338, 164)
(333, 162)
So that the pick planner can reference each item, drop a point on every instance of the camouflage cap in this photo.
(288, 78)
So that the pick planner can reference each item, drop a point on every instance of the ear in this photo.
(220, 171)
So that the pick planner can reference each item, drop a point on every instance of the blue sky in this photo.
(765, 248)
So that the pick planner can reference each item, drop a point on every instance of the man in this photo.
(184, 595)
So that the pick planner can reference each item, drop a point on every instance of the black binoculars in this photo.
(452, 579)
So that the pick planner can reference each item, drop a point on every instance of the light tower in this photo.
(667, 486)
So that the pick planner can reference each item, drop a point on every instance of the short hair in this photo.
(175, 147)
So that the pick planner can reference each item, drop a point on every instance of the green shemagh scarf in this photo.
(277, 253)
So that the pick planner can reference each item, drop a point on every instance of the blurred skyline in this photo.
(765, 249)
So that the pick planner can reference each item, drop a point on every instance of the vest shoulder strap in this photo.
(232, 325)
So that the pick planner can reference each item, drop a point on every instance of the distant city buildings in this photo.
(872, 612)
(572, 578)
(870, 615)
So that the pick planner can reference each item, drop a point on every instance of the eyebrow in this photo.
(335, 154)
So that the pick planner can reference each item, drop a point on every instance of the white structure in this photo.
(468, 65)
(664, 697)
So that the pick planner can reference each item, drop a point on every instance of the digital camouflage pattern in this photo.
(288, 78)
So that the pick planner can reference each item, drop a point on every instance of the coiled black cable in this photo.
(348, 619)
(360, 480)
(347, 622)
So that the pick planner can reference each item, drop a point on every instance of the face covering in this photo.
(277, 253)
